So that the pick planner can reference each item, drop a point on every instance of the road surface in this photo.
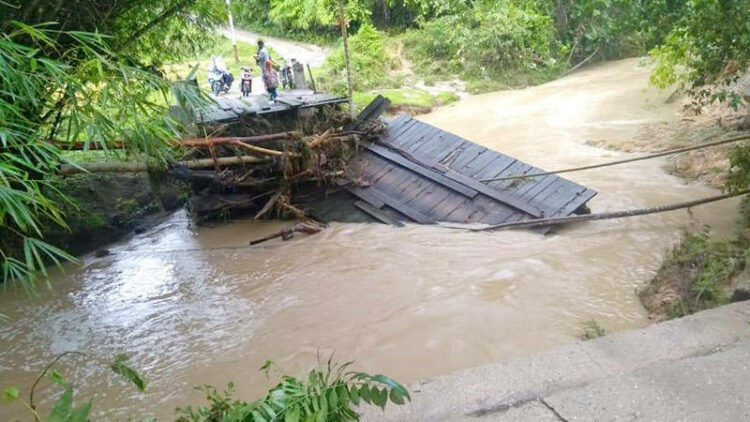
(311, 54)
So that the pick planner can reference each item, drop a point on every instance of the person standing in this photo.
(270, 80)
(262, 57)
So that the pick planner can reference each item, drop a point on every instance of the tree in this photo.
(80, 71)
(706, 51)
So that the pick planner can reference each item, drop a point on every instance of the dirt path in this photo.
(307, 53)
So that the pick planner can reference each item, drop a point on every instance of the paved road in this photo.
(693, 369)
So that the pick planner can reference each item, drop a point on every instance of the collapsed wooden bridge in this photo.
(415, 172)
(423, 174)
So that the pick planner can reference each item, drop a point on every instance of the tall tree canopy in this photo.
(82, 70)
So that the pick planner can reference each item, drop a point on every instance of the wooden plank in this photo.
(364, 194)
(370, 165)
(424, 171)
(377, 214)
(480, 162)
(290, 101)
(493, 193)
(377, 107)
(407, 135)
(576, 202)
(263, 103)
(467, 156)
(399, 206)
(431, 195)
(408, 122)
(500, 163)
(448, 205)
(438, 147)
(411, 138)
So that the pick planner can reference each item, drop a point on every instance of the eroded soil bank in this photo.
(196, 305)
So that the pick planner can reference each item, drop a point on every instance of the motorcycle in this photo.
(287, 81)
(246, 84)
(220, 82)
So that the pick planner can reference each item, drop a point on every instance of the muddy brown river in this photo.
(195, 306)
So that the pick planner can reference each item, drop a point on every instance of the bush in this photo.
(369, 63)
(489, 41)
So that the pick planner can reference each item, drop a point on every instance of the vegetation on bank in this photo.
(592, 329)
(330, 393)
(697, 274)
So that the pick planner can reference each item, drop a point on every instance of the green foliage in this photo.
(444, 98)
(67, 86)
(120, 366)
(64, 409)
(706, 51)
(709, 267)
(304, 14)
(491, 40)
(331, 394)
(369, 63)
(592, 330)
(739, 169)
(402, 98)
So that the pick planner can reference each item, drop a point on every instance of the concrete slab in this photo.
(498, 388)
(714, 387)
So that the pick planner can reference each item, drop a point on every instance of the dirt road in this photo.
(311, 54)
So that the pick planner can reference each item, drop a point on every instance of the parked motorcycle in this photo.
(246, 81)
(220, 82)
(285, 73)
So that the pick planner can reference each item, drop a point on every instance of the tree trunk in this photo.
(345, 35)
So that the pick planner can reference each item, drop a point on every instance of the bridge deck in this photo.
(423, 174)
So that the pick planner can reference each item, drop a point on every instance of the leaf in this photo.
(120, 367)
(396, 397)
(342, 394)
(62, 407)
(354, 395)
(80, 414)
(364, 393)
(257, 417)
(393, 384)
(10, 393)
(333, 399)
(383, 398)
(292, 415)
(57, 378)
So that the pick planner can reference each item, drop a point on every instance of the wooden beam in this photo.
(418, 168)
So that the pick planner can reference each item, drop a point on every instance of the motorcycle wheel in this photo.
(216, 87)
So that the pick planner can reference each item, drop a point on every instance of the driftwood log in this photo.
(306, 227)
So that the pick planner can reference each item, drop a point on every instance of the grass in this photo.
(413, 100)
(592, 330)
(697, 274)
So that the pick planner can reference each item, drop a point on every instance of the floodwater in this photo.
(194, 305)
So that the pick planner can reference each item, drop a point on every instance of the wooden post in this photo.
(312, 79)
(231, 29)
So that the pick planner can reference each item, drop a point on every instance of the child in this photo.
(270, 79)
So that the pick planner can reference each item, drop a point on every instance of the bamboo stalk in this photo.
(200, 142)
(186, 142)
(261, 150)
(139, 166)
(609, 215)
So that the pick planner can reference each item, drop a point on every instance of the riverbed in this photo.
(197, 306)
